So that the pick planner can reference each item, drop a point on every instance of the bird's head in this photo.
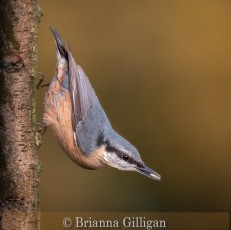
(121, 154)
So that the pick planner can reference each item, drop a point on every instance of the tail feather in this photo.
(59, 42)
(62, 66)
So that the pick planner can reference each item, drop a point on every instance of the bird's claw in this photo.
(40, 130)
(41, 80)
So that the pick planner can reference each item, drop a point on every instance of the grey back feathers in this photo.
(89, 118)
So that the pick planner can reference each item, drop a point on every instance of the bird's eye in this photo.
(125, 157)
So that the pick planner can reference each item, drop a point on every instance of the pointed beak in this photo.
(149, 172)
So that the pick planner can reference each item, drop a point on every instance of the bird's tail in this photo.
(59, 42)
(62, 68)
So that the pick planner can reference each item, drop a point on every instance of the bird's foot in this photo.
(40, 130)
(41, 80)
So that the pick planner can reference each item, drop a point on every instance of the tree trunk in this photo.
(19, 164)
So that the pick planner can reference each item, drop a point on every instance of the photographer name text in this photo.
(126, 222)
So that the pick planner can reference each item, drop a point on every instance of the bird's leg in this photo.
(39, 84)
(40, 132)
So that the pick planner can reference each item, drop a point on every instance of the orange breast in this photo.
(58, 115)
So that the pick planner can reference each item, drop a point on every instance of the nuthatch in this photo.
(79, 122)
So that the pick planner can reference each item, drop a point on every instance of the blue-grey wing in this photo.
(89, 119)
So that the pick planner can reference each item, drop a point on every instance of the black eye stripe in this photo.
(122, 155)
(111, 149)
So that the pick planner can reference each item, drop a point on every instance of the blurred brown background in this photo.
(162, 71)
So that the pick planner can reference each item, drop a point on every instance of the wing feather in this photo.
(80, 90)
(89, 119)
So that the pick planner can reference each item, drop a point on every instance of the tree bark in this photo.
(19, 164)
